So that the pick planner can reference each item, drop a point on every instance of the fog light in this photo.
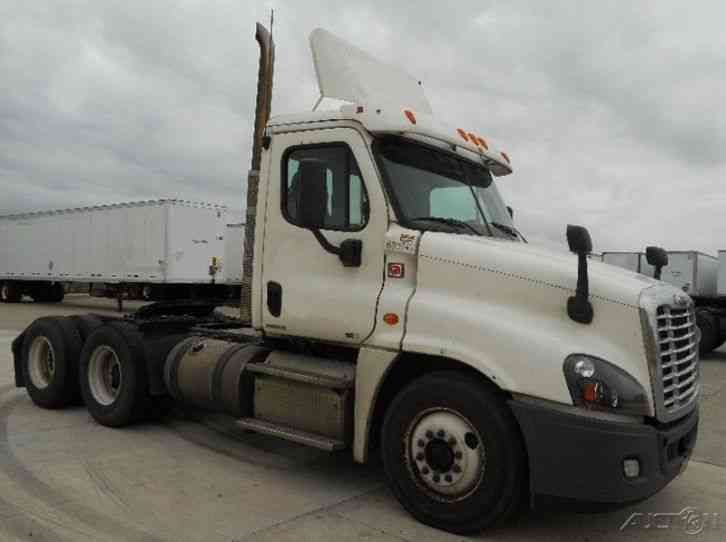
(631, 468)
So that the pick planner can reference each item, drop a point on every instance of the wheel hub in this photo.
(41, 360)
(445, 454)
(104, 375)
(439, 455)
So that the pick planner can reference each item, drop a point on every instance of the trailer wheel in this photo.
(113, 376)
(453, 454)
(10, 292)
(708, 324)
(51, 349)
(55, 293)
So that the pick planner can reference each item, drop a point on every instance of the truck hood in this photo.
(548, 267)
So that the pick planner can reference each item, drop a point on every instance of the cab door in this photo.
(307, 291)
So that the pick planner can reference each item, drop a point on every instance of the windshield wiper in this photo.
(449, 222)
(511, 230)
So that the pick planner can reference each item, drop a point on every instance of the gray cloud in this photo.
(611, 111)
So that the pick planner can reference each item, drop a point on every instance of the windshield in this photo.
(437, 190)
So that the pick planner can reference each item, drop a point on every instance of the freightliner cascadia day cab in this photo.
(390, 307)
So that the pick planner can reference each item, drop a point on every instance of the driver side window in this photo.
(347, 201)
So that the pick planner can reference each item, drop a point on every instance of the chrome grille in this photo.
(677, 338)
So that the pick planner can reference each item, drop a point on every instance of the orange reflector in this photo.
(473, 138)
(505, 156)
(481, 141)
(410, 116)
(589, 391)
(462, 133)
(391, 318)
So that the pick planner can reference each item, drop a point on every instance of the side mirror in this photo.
(658, 258)
(579, 307)
(312, 197)
(511, 211)
(578, 239)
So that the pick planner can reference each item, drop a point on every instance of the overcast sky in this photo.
(611, 111)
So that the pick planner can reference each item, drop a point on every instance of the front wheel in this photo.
(453, 454)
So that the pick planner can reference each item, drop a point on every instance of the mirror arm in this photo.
(349, 253)
(327, 246)
(579, 307)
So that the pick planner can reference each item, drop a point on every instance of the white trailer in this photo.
(721, 277)
(693, 272)
(144, 249)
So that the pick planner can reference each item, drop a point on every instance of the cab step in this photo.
(293, 435)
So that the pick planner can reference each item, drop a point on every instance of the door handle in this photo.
(274, 298)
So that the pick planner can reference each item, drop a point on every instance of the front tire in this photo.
(453, 453)
(113, 375)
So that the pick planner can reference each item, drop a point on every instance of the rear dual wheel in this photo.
(113, 375)
(51, 349)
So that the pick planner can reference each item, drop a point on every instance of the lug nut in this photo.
(421, 443)
(441, 433)
(429, 434)
(419, 456)
(437, 478)
(425, 470)
(458, 455)
(448, 478)
(456, 469)
(452, 441)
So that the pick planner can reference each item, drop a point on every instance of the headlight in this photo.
(599, 385)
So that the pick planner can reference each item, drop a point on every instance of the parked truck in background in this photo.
(701, 276)
(155, 249)
(389, 306)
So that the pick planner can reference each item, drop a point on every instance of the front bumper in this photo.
(580, 458)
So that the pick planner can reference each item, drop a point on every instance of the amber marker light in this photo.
(410, 116)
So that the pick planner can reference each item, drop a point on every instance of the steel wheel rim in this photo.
(445, 454)
(105, 376)
(41, 362)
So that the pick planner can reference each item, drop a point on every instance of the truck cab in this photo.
(392, 307)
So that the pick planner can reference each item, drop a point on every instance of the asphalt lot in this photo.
(63, 477)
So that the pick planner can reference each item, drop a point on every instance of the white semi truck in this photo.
(390, 307)
(154, 249)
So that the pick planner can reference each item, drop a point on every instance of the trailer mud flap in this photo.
(17, 348)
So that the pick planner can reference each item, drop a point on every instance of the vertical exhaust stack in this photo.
(262, 115)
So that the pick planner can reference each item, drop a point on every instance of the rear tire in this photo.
(113, 375)
(51, 350)
(10, 292)
(453, 453)
(708, 324)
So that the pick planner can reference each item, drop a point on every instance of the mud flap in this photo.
(17, 348)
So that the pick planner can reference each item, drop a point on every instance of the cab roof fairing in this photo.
(379, 121)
